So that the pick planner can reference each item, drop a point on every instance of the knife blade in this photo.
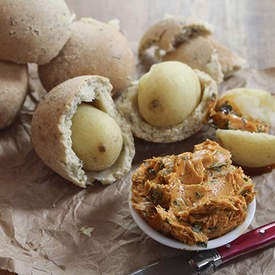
(206, 262)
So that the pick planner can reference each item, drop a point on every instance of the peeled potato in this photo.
(168, 93)
(248, 149)
(258, 104)
(96, 138)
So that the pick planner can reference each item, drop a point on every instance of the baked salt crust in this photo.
(51, 130)
(199, 53)
(13, 91)
(169, 32)
(187, 40)
(33, 31)
(94, 48)
(127, 105)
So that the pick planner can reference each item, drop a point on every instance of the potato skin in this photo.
(94, 48)
(168, 93)
(33, 30)
(248, 149)
(13, 91)
(96, 138)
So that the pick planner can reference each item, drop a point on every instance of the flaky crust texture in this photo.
(13, 91)
(127, 105)
(94, 48)
(168, 32)
(33, 31)
(51, 130)
(230, 61)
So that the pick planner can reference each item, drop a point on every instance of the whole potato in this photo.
(248, 149)
(94, 48)
(33, 31)
(96, 138)
(13, 91)
(168, 93)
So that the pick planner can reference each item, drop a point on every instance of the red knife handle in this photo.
(248, 242)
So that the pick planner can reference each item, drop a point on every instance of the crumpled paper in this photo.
(50, 226)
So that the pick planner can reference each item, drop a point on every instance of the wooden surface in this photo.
(246, 26)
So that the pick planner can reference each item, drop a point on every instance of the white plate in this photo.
(232, 235)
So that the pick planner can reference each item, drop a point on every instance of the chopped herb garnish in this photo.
(175, 202)
(226, 108)
(201, 244)
(246, 179)
(198, 195)
(167, 221)
(197, 228)
(244, 121)
(217, 168)
(227, 124)
(151, 172)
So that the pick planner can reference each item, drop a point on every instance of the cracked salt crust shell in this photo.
(33, 31)
(51, 130)
(198, 53)
(127, 105)
(187, 40)
(167, 33)
(13, 91)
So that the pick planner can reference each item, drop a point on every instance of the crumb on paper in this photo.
(87, 231)
(115, 23)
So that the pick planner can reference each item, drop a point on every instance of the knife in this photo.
(206, 262)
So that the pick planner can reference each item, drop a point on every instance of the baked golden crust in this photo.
(33, 31)
(51, 133)
(94, 48)
(13, 91)
(127, 105)
(168, 32)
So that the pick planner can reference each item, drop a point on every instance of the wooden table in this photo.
(246, 26)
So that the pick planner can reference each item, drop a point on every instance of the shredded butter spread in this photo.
(228, 116)
(192, 197)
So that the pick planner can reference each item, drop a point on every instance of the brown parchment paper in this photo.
(42, 215)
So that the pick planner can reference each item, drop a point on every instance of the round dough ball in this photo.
(96, 138)
(13, 91)
(94, 48)
(33, 30)
(168, 93)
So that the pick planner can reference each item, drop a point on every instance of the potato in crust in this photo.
(127, 105)
(167, 33)
(94, 48)
(33, 31)
(51, 130)
(13, 91)
(248, 149)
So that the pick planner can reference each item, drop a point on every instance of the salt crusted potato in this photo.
(167, 33)
(248, 149)
(13, 91)
(94, 48)
(255, 103)
(33, 30)
(51, 130)
(187, 40)
(128, 104)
